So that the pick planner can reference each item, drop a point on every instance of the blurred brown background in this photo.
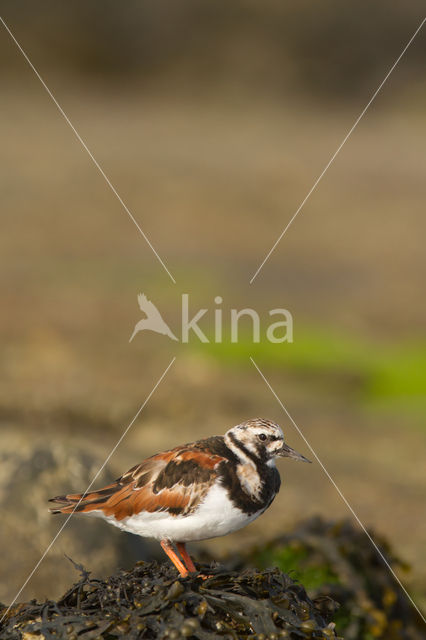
(212, 120)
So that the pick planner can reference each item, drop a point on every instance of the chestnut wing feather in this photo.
(175, 481)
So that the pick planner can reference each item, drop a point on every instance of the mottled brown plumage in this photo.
(175, 481)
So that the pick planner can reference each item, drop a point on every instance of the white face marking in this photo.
(245, 459)
(262, 438)
(244, 440)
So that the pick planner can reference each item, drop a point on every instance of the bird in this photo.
(153, 320)
(194, 492)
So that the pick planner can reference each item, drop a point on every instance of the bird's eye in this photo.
(262, 437)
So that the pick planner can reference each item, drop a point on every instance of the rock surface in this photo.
(30, 474)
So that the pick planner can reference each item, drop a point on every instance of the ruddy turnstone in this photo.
(193, 492)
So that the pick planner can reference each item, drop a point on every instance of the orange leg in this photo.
(168, 549)
(186, 557)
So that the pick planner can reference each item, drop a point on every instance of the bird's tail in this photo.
(133, 334)
(82, 502)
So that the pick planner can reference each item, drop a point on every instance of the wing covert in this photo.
(175, 481)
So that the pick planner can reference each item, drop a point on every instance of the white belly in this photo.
(215, 516)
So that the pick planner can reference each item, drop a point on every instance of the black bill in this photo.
(288, 452)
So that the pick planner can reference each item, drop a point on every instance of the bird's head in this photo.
(260, 439)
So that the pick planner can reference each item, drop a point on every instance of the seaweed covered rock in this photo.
(337, 560)
(150, 602)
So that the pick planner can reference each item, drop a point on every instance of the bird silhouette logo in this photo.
(153, 320)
